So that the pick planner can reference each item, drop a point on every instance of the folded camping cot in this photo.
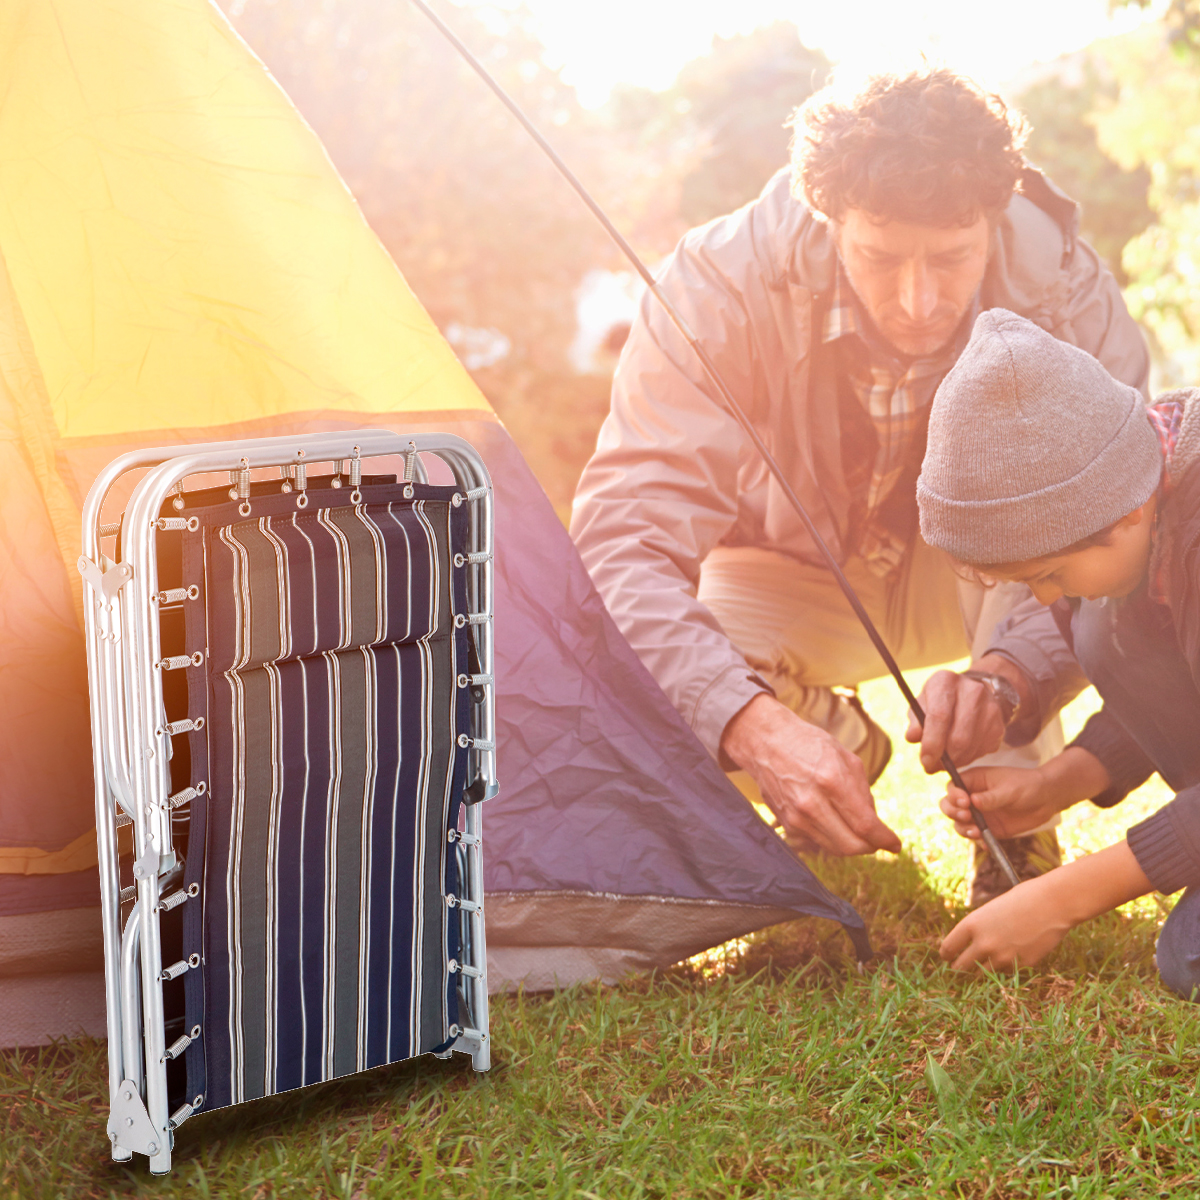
(293, 726)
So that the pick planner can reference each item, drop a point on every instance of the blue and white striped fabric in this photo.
(333, 770)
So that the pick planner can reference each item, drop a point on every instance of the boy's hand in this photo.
(1023, 925)
(1015, 929)
(1013, 799)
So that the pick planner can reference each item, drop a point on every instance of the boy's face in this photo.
(1112, 570)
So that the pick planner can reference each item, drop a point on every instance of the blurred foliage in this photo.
(484, 229)
(732, 105)
(478, 220)
(1181, 19)
(1064, 144)
(1153, 123)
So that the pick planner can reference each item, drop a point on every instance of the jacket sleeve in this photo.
(1127, 764)
(1091, 314)
(661, 491)
(1029, 637)
(1167, 844)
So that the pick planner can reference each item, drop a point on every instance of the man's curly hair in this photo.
(929, 147)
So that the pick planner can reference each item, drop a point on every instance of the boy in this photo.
(1042, 469)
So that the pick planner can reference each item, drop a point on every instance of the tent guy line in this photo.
(736, 411)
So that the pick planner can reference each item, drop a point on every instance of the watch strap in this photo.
(1005, 693)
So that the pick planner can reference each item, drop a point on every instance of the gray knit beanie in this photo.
(1032, 446)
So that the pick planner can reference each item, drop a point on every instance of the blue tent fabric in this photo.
(604, 788)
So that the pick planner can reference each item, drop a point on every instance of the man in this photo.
(833, 306)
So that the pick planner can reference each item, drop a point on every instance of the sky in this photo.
(646, 41)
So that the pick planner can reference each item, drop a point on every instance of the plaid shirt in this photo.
(896, 393)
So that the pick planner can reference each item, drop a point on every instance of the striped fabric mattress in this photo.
(332, 771)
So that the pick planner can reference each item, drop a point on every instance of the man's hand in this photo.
(962, 717)
(814, 785)
(1023, 925)
(1013, 799)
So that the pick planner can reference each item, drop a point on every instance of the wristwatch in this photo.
(1002, 691)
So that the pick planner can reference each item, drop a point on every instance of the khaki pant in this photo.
(798, 631)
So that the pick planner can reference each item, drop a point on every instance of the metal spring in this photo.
(179, 661)
(457, 968)
(467, 742)
(107, 531)
(475, 680)
(180, 1044)
(180, 968)
(473, 560)
(187, 725)
(175, 899)
(177, 524)
(188, 793)
(478, 493)
(177, 595)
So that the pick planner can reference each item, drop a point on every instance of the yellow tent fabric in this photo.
(178, 258)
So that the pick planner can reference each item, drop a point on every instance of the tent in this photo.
(179, 262)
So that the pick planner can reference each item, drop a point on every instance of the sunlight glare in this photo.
(645, 42)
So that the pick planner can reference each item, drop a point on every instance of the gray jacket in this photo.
(673, 475)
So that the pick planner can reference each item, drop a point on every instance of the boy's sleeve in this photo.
(1029, 637)
(1128, 767)
(1167, 844)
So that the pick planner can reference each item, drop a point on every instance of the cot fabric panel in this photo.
(327, 580)
(333, 774)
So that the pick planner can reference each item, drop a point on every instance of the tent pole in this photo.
(736, 411)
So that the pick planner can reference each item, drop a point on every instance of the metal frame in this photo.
(131, 742)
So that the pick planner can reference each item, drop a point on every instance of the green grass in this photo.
(770, 1067)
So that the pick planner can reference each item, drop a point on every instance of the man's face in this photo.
(915, 281)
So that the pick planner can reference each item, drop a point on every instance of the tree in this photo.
(730, 107)
(1064, 144)
(1154, 123)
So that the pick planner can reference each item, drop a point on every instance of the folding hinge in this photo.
(151, 862)
(129, 1124)
(107, 579)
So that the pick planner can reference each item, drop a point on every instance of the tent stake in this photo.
(735, 410)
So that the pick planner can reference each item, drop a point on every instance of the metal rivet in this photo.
(408, 491)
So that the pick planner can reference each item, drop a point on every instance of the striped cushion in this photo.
(333, 770)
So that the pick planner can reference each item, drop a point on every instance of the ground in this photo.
(771, 1067)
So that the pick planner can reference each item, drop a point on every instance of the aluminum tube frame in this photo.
(132, 747)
